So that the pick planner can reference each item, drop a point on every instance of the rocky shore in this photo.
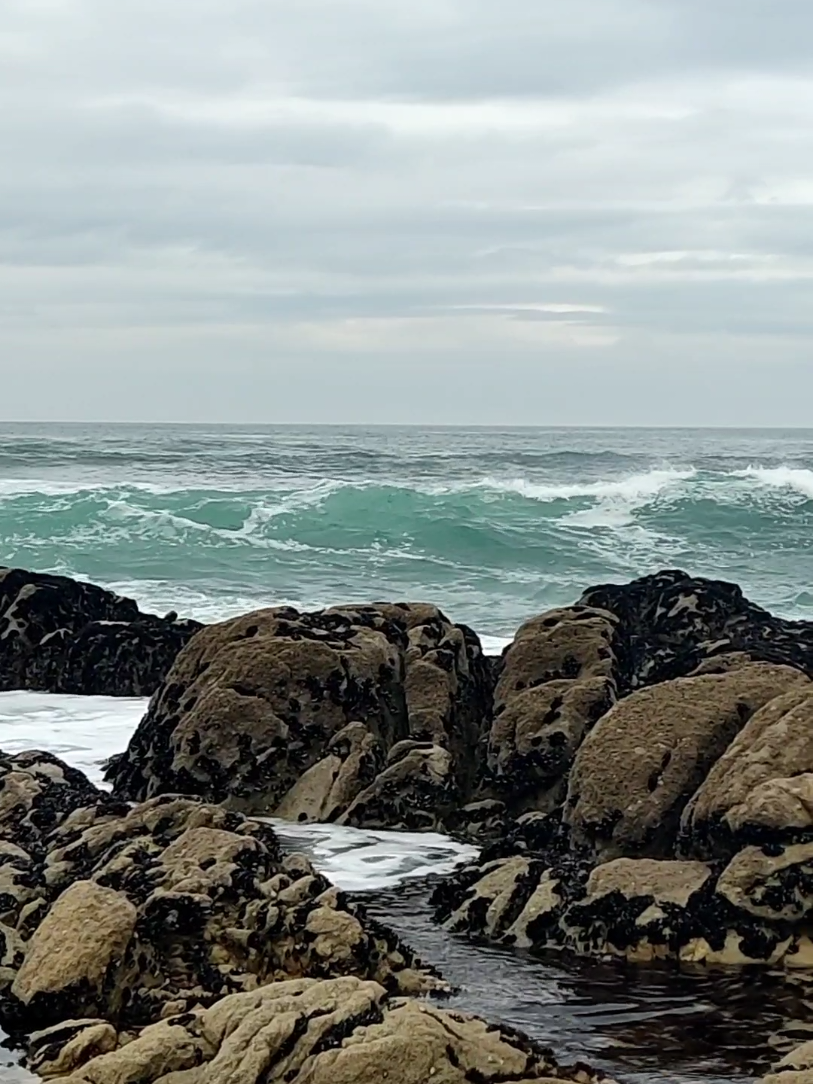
(638, 769)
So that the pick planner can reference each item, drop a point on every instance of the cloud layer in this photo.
(441, 211)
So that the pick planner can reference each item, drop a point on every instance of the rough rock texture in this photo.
(59, 635)
(761, 788)
(124, 913)
(555, 681)
(341, 1031)
(759, 910)
(794, 1068)
(640, 765)
(669, 623)
(300, 713)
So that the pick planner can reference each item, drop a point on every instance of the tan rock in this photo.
(667, 882)
(79, 943)
(764, 778)
(777, 887)
(158, 1050)
(68, 1046)
(570, 644)
(643, 761)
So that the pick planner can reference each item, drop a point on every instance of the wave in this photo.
(290, 493)
(795, 478)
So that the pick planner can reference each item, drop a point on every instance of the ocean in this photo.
(494, 525)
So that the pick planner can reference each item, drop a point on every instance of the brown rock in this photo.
(643, 761)
(75, 953)
(58, 1051)
(762, 785)
(772, 886)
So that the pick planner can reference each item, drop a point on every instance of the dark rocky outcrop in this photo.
(669, 623)
(651, 746)
(60, 635)
(369, 714)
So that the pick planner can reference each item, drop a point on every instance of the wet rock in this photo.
(72, 960)
(761, 788)
(297, 713)
(555, 681)
(174, 903)
(60, 635)
(641, 909)
(637, 909)
(55, 1052)
(342, 1031)
(670, 623)
(641, 764)
(794, 1068)
(416, 791)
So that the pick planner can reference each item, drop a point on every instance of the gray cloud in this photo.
(444, 210)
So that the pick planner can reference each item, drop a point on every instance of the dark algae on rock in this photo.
(59, 635)
(637, 768)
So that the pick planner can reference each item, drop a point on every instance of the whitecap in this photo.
(795, 478)
(633, 487)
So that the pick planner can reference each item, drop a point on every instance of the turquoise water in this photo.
(493, 524)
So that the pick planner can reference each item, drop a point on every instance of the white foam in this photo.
(796, 478)
(631, 488)
(85, 731)
(359, 860)
(82, 730)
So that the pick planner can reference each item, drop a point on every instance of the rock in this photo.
(297, 713)
(669, 623)
(252, 704)
(60, 635)
(160, 1049)
(641, 909)
(555, 681)
(761, 788)
(172, 904)
(37, 792)
(416, 791)
(794, 1068)
(71, 961)
(642, 762)
(57, 1051)
(637, 909)
(535, 738)
(777, 885)
(354, 760)
(341, 1031)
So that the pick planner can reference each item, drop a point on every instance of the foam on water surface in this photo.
(85, 731)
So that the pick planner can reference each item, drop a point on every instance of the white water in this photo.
(86, 730)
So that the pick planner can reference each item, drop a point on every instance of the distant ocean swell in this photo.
(492, 549)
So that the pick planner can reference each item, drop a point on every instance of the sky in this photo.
(597, 212)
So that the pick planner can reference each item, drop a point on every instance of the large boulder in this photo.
(61, 635)
(341, 1031)
(761, 788)
(670, 622)
(555, 681)
(297, 714)
(642, 762)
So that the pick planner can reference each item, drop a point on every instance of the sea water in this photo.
(494, 526)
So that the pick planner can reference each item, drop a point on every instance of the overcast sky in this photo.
(474, 211)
